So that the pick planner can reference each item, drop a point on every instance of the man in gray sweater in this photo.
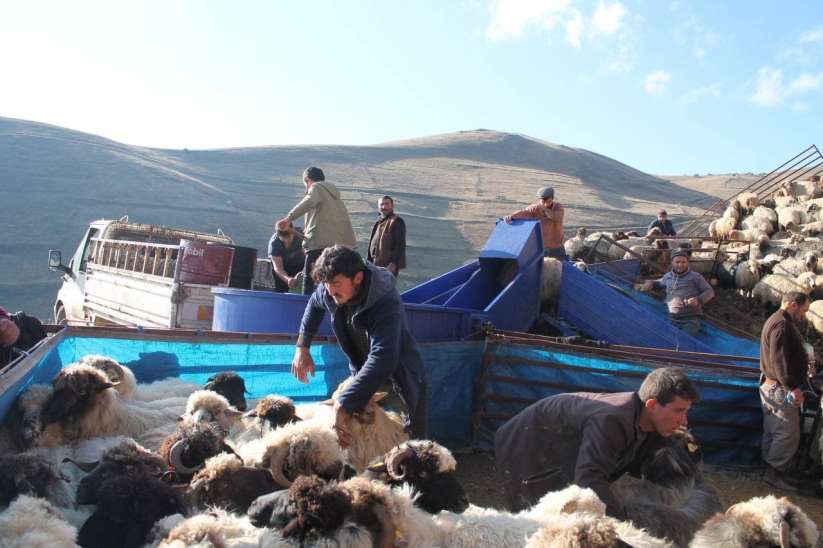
(686, 293)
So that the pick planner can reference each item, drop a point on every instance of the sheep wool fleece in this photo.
(392, 350)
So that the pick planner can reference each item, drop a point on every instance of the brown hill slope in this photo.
(450, 188)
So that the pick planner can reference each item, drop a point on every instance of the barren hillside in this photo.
(450, 188)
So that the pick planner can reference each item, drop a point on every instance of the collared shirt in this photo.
(682, 287)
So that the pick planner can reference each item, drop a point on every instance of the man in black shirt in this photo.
(18, 333)
(663, 223)
(287, 257)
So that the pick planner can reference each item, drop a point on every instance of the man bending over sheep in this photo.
(589, 439)
(784, 369)
(369, 321)
(686, 293)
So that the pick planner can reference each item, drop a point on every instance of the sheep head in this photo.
(429, 468)
(275, 410)
(209, 406)
(128, 459)
(27, 474)
(113, 370)
(231, 386)
(680, 461)
(302, 449)
(77, 389)
(224, 482)
(24, 420)
(187, 450)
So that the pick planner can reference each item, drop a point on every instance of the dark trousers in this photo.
(417, 423)
(308, 282)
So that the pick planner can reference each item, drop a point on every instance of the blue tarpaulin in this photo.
(266, 368)
(726, 422)
(605, 307)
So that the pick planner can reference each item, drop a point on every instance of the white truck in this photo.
(142, 275)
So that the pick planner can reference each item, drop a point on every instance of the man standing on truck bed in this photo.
(550, 214)
(387, 244)
(327, 220)
(287, 257)
(18, 333)
(369, 322)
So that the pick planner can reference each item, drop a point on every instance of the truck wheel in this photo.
(60, 316)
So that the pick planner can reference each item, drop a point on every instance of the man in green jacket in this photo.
(327, 221)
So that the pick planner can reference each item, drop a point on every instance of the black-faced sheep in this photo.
(231, 386)
(672, 500)
(225, 482)
(762, 522)
(26, 474)
(354, 514)
(429, 468)
(85, 405)
(186, 450)
(32, 522)
(128, 459)
(127, 509)
(23, 425)
(270, 413)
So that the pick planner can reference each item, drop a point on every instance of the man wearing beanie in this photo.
(550, 214)
(18, 333)
(686, 293)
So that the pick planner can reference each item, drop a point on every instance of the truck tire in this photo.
(60, 315)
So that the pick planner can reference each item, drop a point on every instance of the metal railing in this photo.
(142, 257)
(808, 163)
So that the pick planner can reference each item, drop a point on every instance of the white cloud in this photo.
(811, 36)
(804, 83)
(698, 94)
(607, 19)
(655, 83)
(692, 32)
(768, 88)
(574, 29)
(511, 17)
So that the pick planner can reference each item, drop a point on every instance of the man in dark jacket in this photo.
(387, 243)
(369, 322)
(18, 333)
(589, 439)
(784, 370)
(663, 223)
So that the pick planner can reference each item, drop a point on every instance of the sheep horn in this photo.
(84, 466)
(176, 460)
(395, 459)
(785, 532)
(278, 458)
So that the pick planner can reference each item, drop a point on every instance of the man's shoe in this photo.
(778, 480)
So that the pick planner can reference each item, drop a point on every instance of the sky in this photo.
(669, 87)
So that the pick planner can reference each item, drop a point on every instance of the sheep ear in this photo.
(328, 402)
(106, 385)
(251, 414)
(379, 396)
(232, 412)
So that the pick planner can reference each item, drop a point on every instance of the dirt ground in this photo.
(476, 471)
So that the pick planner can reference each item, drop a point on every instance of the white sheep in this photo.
(815, 315)
(812, 228)
(209, 530)
(760, 521)
(576, 245)
(208, 406)
(771, 288)
(758, 224)
(31, 522)
(767, 213)
(550, 279)
(795, 266)
(85, 405)
(790, 217)
(746, 276)
(785, 201)
(748, 201)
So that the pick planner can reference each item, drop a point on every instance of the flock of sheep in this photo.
(763, 248)
(96, 459)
